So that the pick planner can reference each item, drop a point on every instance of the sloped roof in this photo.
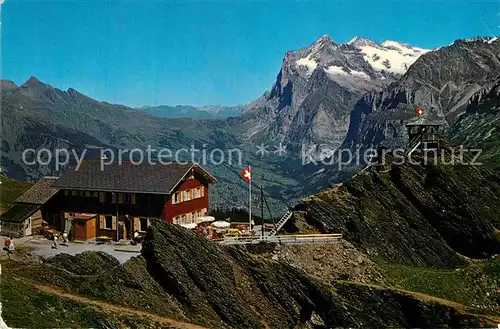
(144, 177)
(19, 212)
(39, 193)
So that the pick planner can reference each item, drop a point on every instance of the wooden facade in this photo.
(118, 214)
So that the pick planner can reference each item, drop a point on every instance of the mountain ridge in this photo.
(319, 109)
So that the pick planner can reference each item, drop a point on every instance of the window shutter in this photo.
(137, 224)
(132, 198)
(203, 191)
(102, 221)
(113, 222)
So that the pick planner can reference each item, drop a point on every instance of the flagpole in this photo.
(250, 200)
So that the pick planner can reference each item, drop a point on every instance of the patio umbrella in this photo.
(189, 225)
(221, 224)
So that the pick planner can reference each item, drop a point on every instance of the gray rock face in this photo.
(440, 81)
(318, 86)
(479, 125)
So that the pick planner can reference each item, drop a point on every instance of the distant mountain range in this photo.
(186, 111)
(326, 95)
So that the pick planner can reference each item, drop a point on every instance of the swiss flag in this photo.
(247, 174)
(419, 111)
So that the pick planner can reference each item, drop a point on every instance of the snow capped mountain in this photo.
(318, 86)
(358, 58)
(391, 56)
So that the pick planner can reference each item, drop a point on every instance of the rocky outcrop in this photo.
(329, 262)
(422, 215)
(186, 277)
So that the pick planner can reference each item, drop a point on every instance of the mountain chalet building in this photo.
(113, 202)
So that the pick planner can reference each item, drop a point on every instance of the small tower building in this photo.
(424, 132)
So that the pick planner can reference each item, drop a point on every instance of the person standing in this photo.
(7, 243)
(11, 245)
(65, 238)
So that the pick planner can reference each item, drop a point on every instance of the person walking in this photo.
(54, 244)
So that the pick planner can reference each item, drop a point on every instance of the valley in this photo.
(326, 96)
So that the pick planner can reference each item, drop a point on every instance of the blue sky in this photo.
(206, 52)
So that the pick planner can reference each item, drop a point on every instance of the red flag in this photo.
(419, 111)
(246, 173)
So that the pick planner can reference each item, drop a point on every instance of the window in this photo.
(113, 198)
(176, 198)
(197, 192)
(107, 222)
(102, 197)
(144, 224)
(132, 198)
(183, 219)
(120, 197)
(73, 193)
(95, 194)
(66, 192)
(188, 195)
(87, 194)
(127, 198)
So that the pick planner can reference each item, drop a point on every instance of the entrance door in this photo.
(79, 230)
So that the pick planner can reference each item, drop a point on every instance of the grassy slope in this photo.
(10, 190)
(24, 305)
(476, 285)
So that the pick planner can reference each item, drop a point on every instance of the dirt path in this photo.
(428, 298)
(116, 309)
